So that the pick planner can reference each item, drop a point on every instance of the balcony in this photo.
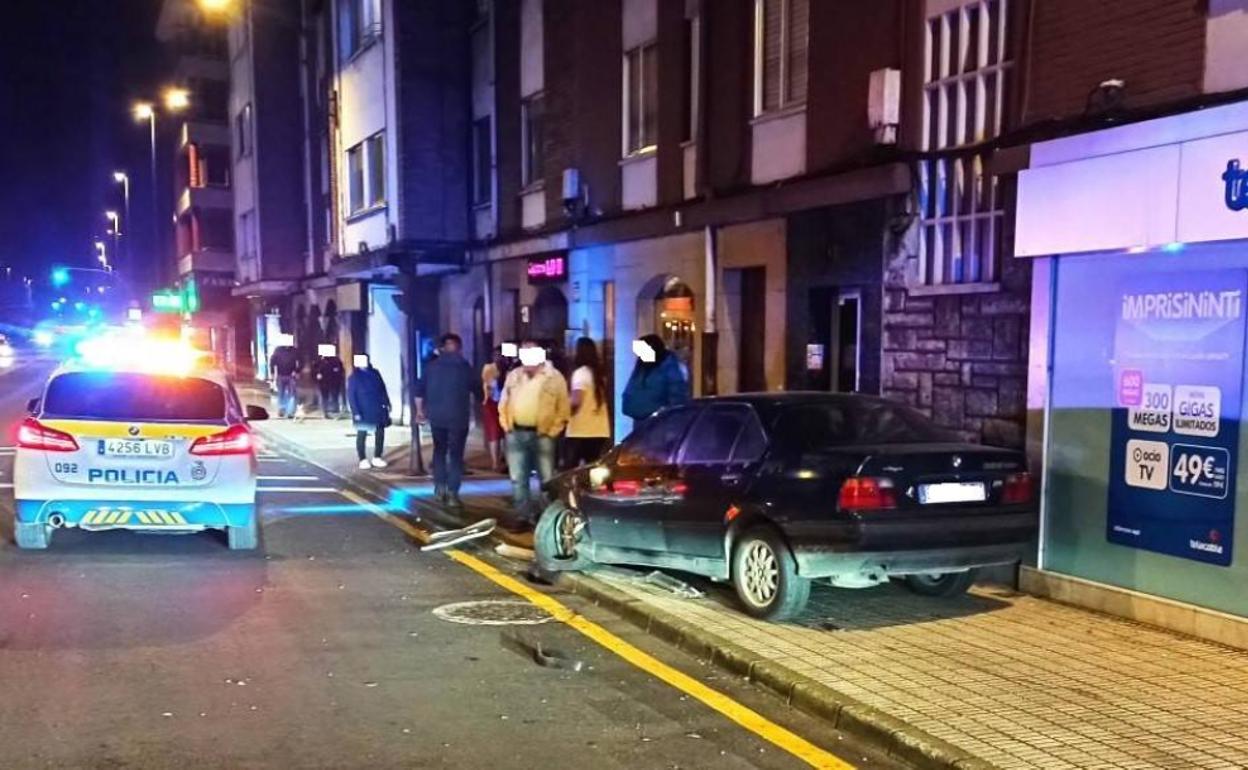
(207, 259)
(205, 198)
(206, 133)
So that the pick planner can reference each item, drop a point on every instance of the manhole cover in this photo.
(493, 613)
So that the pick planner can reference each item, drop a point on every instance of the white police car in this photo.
(135, 435)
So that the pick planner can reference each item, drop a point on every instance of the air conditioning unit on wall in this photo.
(884, 104)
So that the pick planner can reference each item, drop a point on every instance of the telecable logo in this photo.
(1236, 180)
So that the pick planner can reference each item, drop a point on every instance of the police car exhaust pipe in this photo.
(56, 520)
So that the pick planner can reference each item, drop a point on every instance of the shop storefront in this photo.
(1140, 239)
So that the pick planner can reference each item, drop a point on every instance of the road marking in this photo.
(310, 490)
(288, 478)
(743, 715)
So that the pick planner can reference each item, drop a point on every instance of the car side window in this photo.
(713, 436)
(654, 442)
(752, 443)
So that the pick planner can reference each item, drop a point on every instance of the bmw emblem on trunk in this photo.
(957, 461)
(133, 430)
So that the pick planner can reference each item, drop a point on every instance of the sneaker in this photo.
(377, 462)
(453, 501)
(365, 465)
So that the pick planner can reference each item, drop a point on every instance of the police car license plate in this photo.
(953, 492)
(117, 447)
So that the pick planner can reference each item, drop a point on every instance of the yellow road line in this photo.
(743, 715)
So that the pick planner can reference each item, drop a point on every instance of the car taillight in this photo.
(1018, 489)
(866, 494)
(35, 435)
(236, 440)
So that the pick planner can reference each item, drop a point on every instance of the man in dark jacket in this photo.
(370, 410)
(330, 375)
(284, 366)
(444, 398)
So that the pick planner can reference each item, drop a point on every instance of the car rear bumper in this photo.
(155, 516)
(826, 561)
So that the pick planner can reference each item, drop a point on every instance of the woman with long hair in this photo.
(589, 431)
(492, 376)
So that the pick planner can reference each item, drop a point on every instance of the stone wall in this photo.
(960, 358)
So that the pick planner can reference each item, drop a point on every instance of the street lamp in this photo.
(213, 7)
(177, 99)
(101, 254)
(115, 219)
(123, 179)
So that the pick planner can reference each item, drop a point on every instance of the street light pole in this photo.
(124, 179)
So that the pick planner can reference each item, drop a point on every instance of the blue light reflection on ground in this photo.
(399, 500)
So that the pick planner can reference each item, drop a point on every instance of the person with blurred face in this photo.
(589, 430)
(370, 410)
(533, 409)
(444, 399)
(330, 375)
(492, 375)
(658, 379)
(284, 365)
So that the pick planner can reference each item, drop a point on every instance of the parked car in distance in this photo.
(773, 491)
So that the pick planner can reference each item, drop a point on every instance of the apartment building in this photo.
(202, 203)
(266, 123)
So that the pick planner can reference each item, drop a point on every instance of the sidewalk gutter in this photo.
(847, 714)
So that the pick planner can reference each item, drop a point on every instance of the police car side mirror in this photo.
(256, 413)
(32, 406)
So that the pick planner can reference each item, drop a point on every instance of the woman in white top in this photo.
(589, 430)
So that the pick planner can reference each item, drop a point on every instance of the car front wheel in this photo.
(943, 585)
(764, 574)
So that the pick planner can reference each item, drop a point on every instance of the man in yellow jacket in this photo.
(534, 409)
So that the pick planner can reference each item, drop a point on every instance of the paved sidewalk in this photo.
(1009, 680)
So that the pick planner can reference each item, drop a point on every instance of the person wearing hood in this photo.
(370, 410)
(658, 379)
(444, 399)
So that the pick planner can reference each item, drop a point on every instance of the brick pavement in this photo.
(1017, 681)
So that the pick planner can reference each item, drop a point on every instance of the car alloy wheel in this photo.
(762, 573)
(569, 533)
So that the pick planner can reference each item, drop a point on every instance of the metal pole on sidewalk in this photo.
(415, 458)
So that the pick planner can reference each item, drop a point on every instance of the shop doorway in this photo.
(751, 330)
(846, 351)
(670, 312)
(550, 316)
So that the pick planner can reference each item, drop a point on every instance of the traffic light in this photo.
(60, 276)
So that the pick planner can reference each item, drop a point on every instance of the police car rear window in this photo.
(134, 397)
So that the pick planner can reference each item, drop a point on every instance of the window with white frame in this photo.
(641, 98)
(781, 45)
(366, 174)
(966, 71)
(533, 138)
(359, 24)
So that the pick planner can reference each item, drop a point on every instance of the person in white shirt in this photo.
(589, 430)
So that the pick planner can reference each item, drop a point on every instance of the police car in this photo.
(135, 434)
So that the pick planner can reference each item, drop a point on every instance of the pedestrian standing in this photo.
(589, 430)
(285, 365)
(370, 410)
(330, 374)
(444, 399)
(658, 379)
(534, 410)
(492, 375)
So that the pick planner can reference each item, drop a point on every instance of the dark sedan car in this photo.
(774, 491)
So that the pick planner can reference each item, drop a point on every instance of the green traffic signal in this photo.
(60, 276)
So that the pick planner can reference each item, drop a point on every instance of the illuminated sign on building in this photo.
(548, 269)
(1236, 186)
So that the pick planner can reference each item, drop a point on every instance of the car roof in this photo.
(210, 373)
(771, 402)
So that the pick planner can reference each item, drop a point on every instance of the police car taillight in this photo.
(236, 440)
(35, 435)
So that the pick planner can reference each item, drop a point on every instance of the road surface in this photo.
(322, 650)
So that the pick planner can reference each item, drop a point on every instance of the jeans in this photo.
(287, 394)
(361, 443)
(527, 451)
(448, 456)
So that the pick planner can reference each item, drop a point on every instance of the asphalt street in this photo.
(323, 649)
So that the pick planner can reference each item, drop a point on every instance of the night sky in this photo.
(69, 71)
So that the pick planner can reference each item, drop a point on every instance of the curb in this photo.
(847, 714)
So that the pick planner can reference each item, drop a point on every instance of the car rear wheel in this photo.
(32, 537)
(246, 537)
(559, 540)
(764, 574)
(944, 585)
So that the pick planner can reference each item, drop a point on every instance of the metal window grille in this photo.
(966, 72)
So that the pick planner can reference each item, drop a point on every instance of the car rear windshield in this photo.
(817, 426)
(134, 397)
